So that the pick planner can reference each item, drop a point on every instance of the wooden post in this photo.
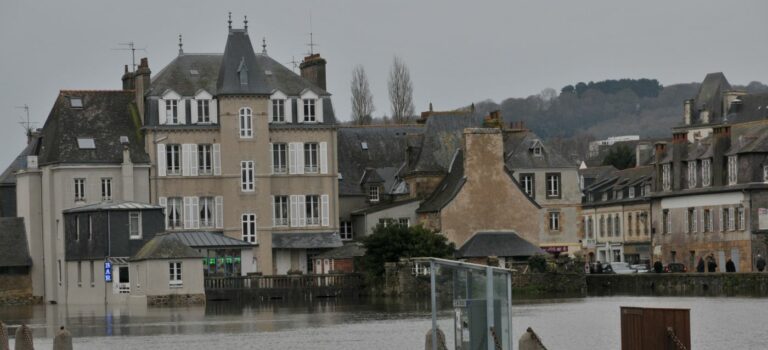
(655, 329)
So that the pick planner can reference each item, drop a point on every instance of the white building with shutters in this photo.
(242, 146)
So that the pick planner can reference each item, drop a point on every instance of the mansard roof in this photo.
(518, 150)
(105, 117)
(709, 96)
(14, 251)
(750, 139)
(187, 74)
(752, 107)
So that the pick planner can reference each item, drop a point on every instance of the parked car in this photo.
(675, 268)
(619, 268)
(640, 268)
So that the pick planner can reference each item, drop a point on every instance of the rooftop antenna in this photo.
(230, 21)
(245, 22)
(311, 37)
(132, 47)
(27, 125)
(293, 62)
(264, 45)
(181, 50)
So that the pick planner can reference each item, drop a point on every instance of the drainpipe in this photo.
(109, 253)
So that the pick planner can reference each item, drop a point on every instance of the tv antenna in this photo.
(26, 124)
(130, 46)
(311, 37)
(293, 62)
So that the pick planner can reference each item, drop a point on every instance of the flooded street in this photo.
(588, 323)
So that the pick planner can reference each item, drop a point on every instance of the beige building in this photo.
(241, 145)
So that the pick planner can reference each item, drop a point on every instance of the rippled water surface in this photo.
(588, 323)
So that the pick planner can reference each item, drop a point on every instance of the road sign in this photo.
(107, 271)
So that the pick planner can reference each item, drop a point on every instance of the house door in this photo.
(123, 278)
(318, 266)
(326, 265)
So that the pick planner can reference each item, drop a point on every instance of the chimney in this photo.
(722, 142)
(643, 151)
(128, 77)
(483, 152)
(493, 120)
(679, 153)
(313, 69)
(731, 99)
(688, 111)
(141, 85)
(659, 151)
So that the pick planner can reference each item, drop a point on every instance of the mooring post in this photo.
(62, 340)
(24, 338)
(4, 337)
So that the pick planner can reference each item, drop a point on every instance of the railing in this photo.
(302, 282)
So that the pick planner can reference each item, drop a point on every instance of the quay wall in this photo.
(679, 284)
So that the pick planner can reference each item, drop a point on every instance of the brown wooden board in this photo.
(646, 328)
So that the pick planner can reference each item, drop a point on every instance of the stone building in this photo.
(241, 145)
(15, 264)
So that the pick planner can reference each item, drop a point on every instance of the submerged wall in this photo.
(679, 284)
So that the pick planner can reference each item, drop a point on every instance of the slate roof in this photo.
(519, 153)
(502, 244)
(443, 135)
(113, 205)
(105, 117)
(306, 240)
(384, 176)
(709, 96)
(382, 206)
(752, 107)
(14, 251)
(203, 239)
(752, 139)
(165, 246)
(8, 177)
(178, 75)
(448, 188)
(386, 149)
(347, 251)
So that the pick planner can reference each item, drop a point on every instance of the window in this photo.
(93, 273)
(373, 193)
(364, 145)
(313, 209)
(706, 172)
(280, 211)
(692, 180)
(632, 192)
(602, 226)
(173, 212)
(203, 111)
(76, 102)
(707, 221)
(666, 177)
(279, 158)
(554, 221)
(404, 221)
(537, 151)
(106, 189)
(134, 225)
(86, 143)
(174, 269)
(526, 180)
(629, 224)
(553, 185)
(90, 227)
(246, 175)
(204, 159)
(616, 225)
(207, 206)
(278, 111)
(691, 220)
(172, 111)
(310, 157)
(246, 123)
(732, 170)
(173, 159)
(309, 110)
(77, 228)
(345, 230)
(249, 228)
(619, 194)
(666, 224)
(724, 219)
(79, 190)
(740, 223)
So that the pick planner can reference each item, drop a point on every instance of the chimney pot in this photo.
(313, 69)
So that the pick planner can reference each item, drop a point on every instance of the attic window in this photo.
(267, 72)
(364, 145)
(124, 140)
(86, 143)
(194, 72)
(76, 102)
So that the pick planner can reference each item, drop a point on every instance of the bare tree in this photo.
(400, 91)
(362, 99)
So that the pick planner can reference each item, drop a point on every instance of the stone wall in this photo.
(176, 300)
(675, 284)
(17, 289)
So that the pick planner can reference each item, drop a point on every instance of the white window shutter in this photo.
(161, 118)
(163, 202)
(274, 207)
(292, 158)
(300, 106)
(269, 111)
(219, 202)
(712, 220)
(299, 158)
(289, 110)
(294, 212)
(302, 208)
(319, 110)
(216, 159)
(214, 111)
(685, 222)
(323, 157)
(161, 166)
(731, 219)
(185, 149)
(182, 111)
(193, 111)
(187, 212)
(193, 160)
(695, 220)
(324, 207)
(272, 157)
(195, 212)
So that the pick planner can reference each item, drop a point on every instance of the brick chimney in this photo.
(313, 69)
(141, 85)
(722, 142)
(128, 83)
(659, 151)
(688, 111)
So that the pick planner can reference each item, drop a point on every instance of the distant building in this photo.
(596, 147)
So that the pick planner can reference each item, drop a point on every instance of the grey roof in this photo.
(165, 246)
(385, 176)
(204, 239)
(752, 107)
(448, 188)
(347, 251)
(113, 205)
(306, 240)
(386, 149)
(502, 244)
(749, 139)
(104, 117)
(709, 96)
(518, 150)
(8, 177)
(382, 206)
(442, 137)
(14, 251)
(178, 75)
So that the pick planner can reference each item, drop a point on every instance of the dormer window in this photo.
(278, 111)
(171, 109)
(706, 172)
(203, 108)
(373, 193)
(279, 108)
(242, 72)
(203, 111)
(631, 192)
(309, 111)
(85, 143)
(536, 148)
(692, 178)
(76, 102)
(310, 108)
(364, 145)
(666, 177)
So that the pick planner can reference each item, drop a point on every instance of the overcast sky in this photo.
(458, 52)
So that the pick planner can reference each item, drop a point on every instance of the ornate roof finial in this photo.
(230, 21)
(181, 44)
(245, 22)
(264, 45)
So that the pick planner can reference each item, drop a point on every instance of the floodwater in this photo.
(584, 323)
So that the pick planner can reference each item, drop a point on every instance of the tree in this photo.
(362, 99)
(394, 241)
(620, 156)
(400, 91)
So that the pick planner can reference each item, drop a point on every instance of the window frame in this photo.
(692, 178)
(666, 222)
(246, 122)
(311, 158)
(280, 158)
(374, 194)
(134, 227)
(280, 214)
(706, 172)
(733, 170)
(209, 203)
(249, 231)
(106, 188)
(247, 176)
(173, 159)
(172, 112)
(175, 217)
(204, 159)
(203, 111)
(666, 176)
(345, 230)
(528, 183)
(80, 194)
(278, 110)
(309, 105)
(556, 191)
(312, 209)
(554, 220)
(175, 274)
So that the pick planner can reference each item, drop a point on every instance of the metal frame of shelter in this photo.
(490, 299)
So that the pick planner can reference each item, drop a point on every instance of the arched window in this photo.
(246, 123)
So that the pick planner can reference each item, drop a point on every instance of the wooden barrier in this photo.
(283, 287)
(655, 329)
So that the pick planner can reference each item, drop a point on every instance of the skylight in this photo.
(194, 72)
(364, 145)
(76, 102)
(86, 143)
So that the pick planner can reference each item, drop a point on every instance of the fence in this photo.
(283, 287)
